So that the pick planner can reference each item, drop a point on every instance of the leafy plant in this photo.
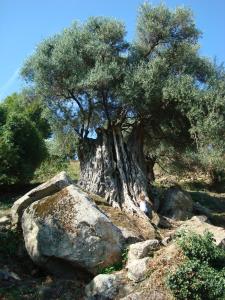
(202, 248)
(197, 280)
(9, 242)
(22, 134)
(202, 276)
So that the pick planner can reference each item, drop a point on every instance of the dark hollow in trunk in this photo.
(115, 169)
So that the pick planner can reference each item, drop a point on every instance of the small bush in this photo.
(9, 242)
(202, 276)
(202, 248)
(196, 280)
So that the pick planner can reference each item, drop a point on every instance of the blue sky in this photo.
(24, 23)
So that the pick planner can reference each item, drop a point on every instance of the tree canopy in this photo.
(89, 74)
(95, 81)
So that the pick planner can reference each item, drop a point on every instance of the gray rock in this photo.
(201, 210)
(8, 276)
(198, 225)
(137, 269)
(142, 249)
(166, 240)
(146, 295)
(48, 188)
(103, 286)
(5, 220)
(69, 227)
(176, 204)
(129, 236)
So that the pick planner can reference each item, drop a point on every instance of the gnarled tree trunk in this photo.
(115, 169)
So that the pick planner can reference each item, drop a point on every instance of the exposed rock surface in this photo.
(69, 227)
(5, 220)
(176, 204)
(104, 286)
(48, 188)
(9, 276)
(130, 236)
(138, 268)
(146, 295)
(137, 226)
(198, 225)
(201, 210)
(142, 249)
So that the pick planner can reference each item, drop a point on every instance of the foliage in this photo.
(9, 242)
(31, 106)
(53, 165)
(202, 275)
(203, 249)
(92, 79)
(22, 146)
(196, 280)
(63, 143)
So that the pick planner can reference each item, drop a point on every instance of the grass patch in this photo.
(49, 168)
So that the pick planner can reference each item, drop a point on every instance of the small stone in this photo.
(4, 220)
(8, 276)
(142, 249)
(166, 240)
(103, 286)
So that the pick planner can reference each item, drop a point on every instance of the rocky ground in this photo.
(141, 271)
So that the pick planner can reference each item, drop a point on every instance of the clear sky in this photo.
(24, 23)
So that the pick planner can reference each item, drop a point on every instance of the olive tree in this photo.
(119, 96)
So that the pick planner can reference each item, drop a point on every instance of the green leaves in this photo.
(202, 275)
(202, 248)
(22, 133)
(90, 77)
(159, 28)
(196, 280)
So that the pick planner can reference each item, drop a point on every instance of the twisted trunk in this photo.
(115, 169)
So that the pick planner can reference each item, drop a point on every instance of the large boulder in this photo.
(176, 204)
(69, 227)
(48, 188)
(198, 225)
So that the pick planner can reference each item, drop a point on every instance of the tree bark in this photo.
(115, 169)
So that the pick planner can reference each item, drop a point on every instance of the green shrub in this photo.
(202, 248)
(202, 276)
(22, 133)
(198, 281)
(9, 242)
(22, 149)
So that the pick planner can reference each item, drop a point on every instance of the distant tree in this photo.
(22, 146)
(30, 105)
(123, 99)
